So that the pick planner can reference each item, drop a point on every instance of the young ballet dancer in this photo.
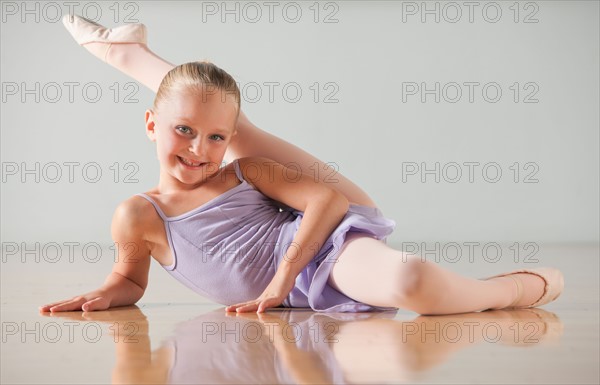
(255, 234)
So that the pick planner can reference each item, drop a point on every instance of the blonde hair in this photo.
(197, 76)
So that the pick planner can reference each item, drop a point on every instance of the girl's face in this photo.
(191, 132)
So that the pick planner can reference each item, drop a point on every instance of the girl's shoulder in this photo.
(133, 225)
(135, 212)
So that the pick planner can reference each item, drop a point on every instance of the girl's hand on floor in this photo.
(95, 300)
(272, 296)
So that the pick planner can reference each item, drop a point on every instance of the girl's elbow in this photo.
(340, 201)
(330, 200)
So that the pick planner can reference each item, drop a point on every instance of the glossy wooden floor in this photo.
(172, 336)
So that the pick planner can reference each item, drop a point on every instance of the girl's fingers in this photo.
(237, 305)
(264, 305)
(62, 307)
(95, 304)
(247, 308)
(77, 303)
(232, 307)
(47, 307)
(74, 304)
(258, 305)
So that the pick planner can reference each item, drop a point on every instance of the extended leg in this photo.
(369, 271)
(252, 141)
(138, 62)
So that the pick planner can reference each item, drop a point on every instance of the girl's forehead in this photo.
(201, 98)
(213, 108)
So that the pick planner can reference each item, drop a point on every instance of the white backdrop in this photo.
(354, 83)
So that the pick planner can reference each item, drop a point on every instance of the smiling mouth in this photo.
(190, 163)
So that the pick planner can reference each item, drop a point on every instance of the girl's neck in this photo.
(167, 184)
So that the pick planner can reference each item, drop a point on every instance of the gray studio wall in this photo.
(374, 131)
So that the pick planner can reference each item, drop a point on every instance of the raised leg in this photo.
(252, 141)
(138, 62)
(369, 271)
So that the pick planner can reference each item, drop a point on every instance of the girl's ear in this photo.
(150, 125)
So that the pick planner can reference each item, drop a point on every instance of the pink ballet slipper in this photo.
(554, 285)
(85, 31)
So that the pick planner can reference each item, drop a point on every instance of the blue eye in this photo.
(183, 129)
(217, 137)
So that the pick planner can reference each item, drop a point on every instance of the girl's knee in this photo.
(409, 276)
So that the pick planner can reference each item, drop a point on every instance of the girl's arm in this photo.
(126, 284)
(323, 208)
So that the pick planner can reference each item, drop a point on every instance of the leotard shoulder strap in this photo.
(156, 206)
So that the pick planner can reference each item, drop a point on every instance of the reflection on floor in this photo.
(200, 343)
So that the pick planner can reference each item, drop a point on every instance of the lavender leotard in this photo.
(229, 248)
